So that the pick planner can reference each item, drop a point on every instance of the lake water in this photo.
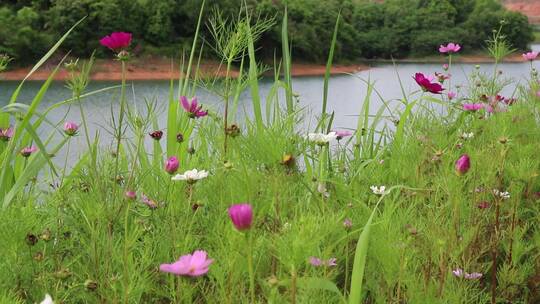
(346, 93)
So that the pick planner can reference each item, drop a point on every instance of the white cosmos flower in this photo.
(378, 190)
(191, 176)
(47, 300)
(321, 138)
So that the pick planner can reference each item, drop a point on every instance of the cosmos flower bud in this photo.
(241, 216)
(463, 164)
(172, 164)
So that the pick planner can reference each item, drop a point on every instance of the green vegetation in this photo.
(396, 28)
(324, 229)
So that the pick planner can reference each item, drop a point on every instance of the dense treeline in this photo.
(369, 29)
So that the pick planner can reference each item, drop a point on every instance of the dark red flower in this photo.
(427, 85)
(156, 135)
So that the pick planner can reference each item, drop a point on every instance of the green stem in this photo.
(249, 235)
(85, 126)
(120, 118)
(226, 112)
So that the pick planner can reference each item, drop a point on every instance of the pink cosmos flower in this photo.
(317, 262)
(71, 128)
(347, 223)
(441, 77)
(341, 134)
(241, 216)
(148, 202)
(450, 48)
(26, 152)
(425, 82)
(530, 56)
(458, 272)
(193, 109)
(445, 66)
(463, 164)
(191, 265)
(6, 134)
(473, 106)
(116, 41)
(452, 95)
(172, 164)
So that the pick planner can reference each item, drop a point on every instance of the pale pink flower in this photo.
(452, 95)
(450, 48)
(530, 55)
(148, 202)
(191, 265)
(71, 128)
(473, 106)
(6, 134)
(341, 134)
(315, 261)
(28, 151)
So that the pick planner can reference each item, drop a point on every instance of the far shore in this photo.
(140, 69)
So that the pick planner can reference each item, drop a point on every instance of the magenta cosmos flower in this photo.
(193, 108)
(6, 134)
(241, 216)
(530, 56)
(28, 151)
(171, 165)
(473, 106)
(463, 164)
(71, 128)
(450, 48)
(191, 265)
(427, 85)
(116, 41)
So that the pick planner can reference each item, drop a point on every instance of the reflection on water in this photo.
(346, 93)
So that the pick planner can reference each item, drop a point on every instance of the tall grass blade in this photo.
(327, 73)
(287, 64)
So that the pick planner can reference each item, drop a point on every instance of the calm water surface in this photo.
(346, 93)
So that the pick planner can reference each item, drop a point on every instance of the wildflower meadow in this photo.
(432, 198)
